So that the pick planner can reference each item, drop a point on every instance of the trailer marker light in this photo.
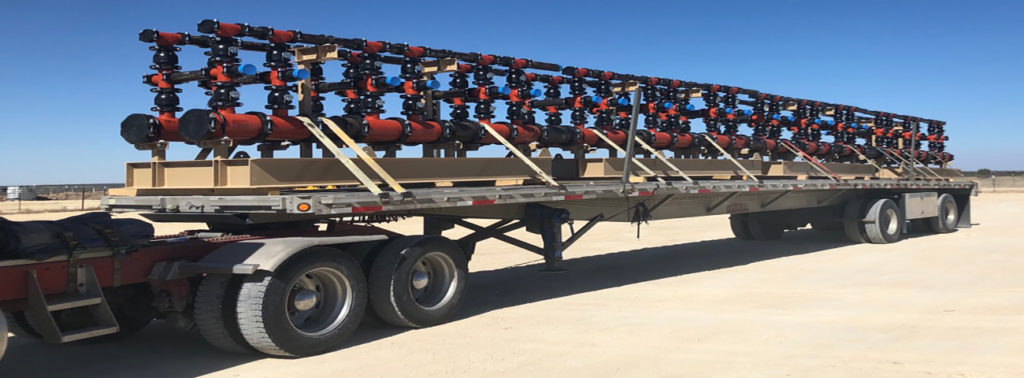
(304, 207)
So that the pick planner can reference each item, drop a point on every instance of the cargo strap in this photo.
(814, 162)
(519, 154)
(925, 166)
(609, 142)
(734, 161)
(333, 148)
(366, 158)
(661, 157)
(879, 169)
(909, 162)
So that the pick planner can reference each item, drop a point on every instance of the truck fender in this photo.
(250, 256)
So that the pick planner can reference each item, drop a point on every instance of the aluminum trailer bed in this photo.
(265, 277)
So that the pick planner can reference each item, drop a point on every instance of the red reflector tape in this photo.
(484, 202)
(574, 197)
(703, 190)
(366, 209)
(754, 189)
(644, 194)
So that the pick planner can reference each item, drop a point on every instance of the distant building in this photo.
(24, 193)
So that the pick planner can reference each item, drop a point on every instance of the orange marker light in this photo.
(304, 207)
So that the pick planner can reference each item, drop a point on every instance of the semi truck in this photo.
(292, 256)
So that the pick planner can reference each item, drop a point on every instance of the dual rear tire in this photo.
(948, 218)
(754, 226)
(314, 301)
(881, 221)
(877, 221)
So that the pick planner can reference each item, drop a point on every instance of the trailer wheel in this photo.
(852, 214)
(22, 327)
(133, 308)
(949, 215)
(216, 312)
(763, 228)
(309, 305)
(826, 226)
(886, 224)
(740, 226)
(3, 335)
(418, 281)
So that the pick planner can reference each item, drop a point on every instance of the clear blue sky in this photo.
(72, 70)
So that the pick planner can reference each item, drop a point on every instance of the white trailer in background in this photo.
(21, 193)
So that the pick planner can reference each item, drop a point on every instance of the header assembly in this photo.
(545, 105)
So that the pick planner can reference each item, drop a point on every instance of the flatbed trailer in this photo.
(292, 274)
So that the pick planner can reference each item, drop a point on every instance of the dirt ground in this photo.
(7, 208)
(685, 300)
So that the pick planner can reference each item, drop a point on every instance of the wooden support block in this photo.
(626, 86)
(432, 67)
(320, 53)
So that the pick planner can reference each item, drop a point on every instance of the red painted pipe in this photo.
(382, 131)
(723, 140)
(589, 137)
(683, 141)
(526, 134)
(202, 124)
(846, 150)
(391, 130)
(740, 142)
(516, 134)
(810, 148)
(506, 131)
(780, 147)
(616, 136)
(823, 149)
(660, 139)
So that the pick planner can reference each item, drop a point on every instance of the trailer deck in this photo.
(468, 201)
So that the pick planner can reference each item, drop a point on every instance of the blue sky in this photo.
(72, 70)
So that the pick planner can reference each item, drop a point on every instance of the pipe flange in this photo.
(447, 131)
(406, 128)
(266, 127)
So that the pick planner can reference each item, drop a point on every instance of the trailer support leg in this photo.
(548, 221)
(543, 220)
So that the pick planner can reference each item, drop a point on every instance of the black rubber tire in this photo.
(827, 226)
(263, 309)
(764, 228)
(216, 312)
(133, 308)
(24, 328)
(740, 227)
(884, 228)
(3, 335)
(390, 281)
(853, 213)
(949, 216)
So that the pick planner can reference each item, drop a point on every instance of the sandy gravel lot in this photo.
(685, 300)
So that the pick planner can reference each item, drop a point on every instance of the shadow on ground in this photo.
(165, 351)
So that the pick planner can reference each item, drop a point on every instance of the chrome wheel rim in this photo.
(433, 280)
(318, 301)
(950, 208)
(892, 226)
